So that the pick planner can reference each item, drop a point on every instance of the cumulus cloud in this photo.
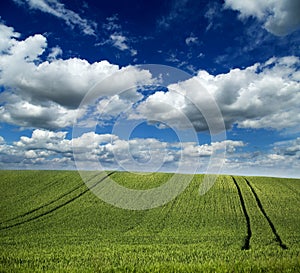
(49, 115)
(112, 107)
(192, 149)
(48, 149)
(46, 94)
(57, 9)
(264, 95)
(7, 37)
(138, 154)
(279, 17)
(45, 140)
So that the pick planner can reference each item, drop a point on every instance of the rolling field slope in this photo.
(50, 221)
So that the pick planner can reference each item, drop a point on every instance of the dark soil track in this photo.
(272, 226)
(246, 245)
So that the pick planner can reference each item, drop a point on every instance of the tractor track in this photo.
(47, 204)
(246, 245)
(57, 207)
(259, 204)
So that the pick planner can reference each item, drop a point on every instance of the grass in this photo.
(51, 222)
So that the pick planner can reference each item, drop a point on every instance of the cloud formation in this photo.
(119, 41)
(265, 95)
(117, 38)
(54, 149)
(46, 94)
(279, 17)
(260, 96)
(47, 149)
(288, 148)
(57, 9)
(191, 40)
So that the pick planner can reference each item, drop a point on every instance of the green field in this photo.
(51, 222)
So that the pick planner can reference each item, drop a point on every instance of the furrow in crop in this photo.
(246, 245)
(259, 204)
(47, 204)
(57, 207)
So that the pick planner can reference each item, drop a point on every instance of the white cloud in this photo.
(191, 40)
(212, 13)
(112, 107)
(276, 157)
(281, 160)
(119, 41)
(55, 52)
(46, 93)
(279, 17)
(27, 50)
(41, 150)
(57, 9)
(117, 37)
(111, 24)
(50, 115)
(288, 148)
(172, 58)
(46, 149)
(7, 35)
(192, 149)
(230, 145)
(147, 154)
(264, 95)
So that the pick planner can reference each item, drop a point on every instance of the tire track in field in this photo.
(246, 245)
(259, 204)
(50, 184)
(47, 204)
(59, 206)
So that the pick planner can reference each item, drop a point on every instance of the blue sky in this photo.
(225, 85)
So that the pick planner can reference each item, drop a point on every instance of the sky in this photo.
(179, 85)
